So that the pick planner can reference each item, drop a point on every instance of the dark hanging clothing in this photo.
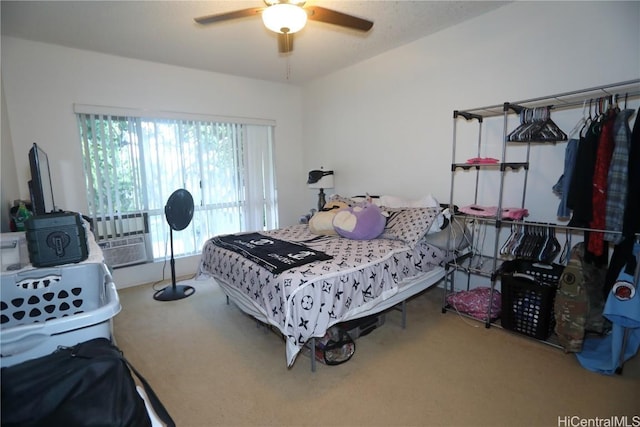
(561, 188)
(623, 252)
(581, 189)
(622, 255)
(632, 212)
(600, 175)
(618, 179)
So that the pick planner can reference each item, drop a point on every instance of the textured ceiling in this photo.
(164, 31)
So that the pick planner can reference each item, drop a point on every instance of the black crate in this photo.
(542, 272)
(56, 239)
(528, 293)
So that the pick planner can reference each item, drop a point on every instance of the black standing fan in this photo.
(178, 211)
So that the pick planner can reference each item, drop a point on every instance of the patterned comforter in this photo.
(304, 301)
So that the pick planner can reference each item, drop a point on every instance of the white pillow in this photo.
(409, 224)
(372, 199)
(427, 201)
(395, 202)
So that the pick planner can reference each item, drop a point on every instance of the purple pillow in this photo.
(361, 222)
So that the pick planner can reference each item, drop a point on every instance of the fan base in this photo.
(172, 293)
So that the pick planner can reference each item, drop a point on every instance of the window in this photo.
(133, 164)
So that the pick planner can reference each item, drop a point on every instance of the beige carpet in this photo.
(212, 366)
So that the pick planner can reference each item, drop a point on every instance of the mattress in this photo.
(362, 277)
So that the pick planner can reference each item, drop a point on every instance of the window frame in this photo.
(259, 197)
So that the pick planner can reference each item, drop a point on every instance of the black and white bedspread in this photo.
(273, 254)
(302, 302)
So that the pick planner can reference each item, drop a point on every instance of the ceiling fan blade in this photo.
(242, 13)
(285, 42)
(329, 16)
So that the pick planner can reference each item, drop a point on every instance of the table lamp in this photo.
(320, 179)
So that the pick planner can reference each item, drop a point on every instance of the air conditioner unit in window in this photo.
(125, 251)
(124, 238)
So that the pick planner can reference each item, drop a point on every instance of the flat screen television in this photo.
(40, 186)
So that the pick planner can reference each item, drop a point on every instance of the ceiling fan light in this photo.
(284, 18)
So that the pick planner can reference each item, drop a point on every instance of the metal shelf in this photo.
(473, 264)
(478, 264)
(500, 166)
(558, 101)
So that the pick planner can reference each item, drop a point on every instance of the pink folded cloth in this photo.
(491, 211)
(477, 210)
(482, 160)
(514, 213)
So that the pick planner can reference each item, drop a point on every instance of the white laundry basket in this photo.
(44, 308)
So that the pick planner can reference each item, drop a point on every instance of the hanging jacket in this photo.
(580, 191)
(607, 354)
(618, 177)
(632, 212)
(579, 301)
(561, 187)
(599, 182)
(623, 250)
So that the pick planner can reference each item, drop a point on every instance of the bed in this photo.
(361, 278)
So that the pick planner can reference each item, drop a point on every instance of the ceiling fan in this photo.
(286, 17)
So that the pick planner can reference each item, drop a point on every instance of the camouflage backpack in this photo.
(579, 302)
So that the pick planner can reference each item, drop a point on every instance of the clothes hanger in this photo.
(564, 255)
(599, 118)
(536, 126)
(526, 245)
(525, 121)
(518, 249)
(581, 122)
(588, 122)
(550, 132)
(541, 242)
(551, 246)
(518, 244)
(531, 243)
(513, 237)
(529, 122)
(614, 105)
(544, 247)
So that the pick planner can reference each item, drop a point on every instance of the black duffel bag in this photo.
(89, 384)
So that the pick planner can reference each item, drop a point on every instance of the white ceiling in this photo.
(164, 31)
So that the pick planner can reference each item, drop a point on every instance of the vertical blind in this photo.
(133, 164)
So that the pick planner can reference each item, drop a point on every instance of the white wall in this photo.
(385, 125)
(42, 82)
(9, 185)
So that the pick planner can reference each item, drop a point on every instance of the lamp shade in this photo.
(320, 179)
(284, 18)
